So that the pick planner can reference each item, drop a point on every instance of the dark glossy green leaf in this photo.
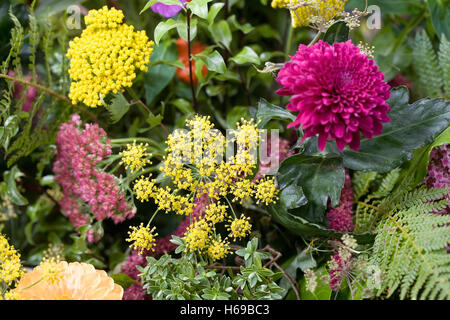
(412, 126)
(221, 33)
(440, 16)
(320, 178)
(213, 62)
(199, 8)
(338, 32)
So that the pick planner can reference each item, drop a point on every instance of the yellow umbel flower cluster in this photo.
(10, 268)
(194, 163)
(142, 238)
(319, 13)
(135, 157)
(239, 228)
(51, 270)
(106, 56)
(218, 249)
(10, 265)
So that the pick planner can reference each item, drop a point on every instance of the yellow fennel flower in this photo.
(10, 265)
(135, 156)
(77, 281)
(239, 228)
(51, 270)
(142, 238)
(144, 188)
(198, 236)
(106, 56)
(216, 213)
(218, 249)
(318, 13)
(266, 191)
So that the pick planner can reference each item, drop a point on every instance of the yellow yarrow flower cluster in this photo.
(142, 238)
(318, 13)
(135, 157)
(106, 56)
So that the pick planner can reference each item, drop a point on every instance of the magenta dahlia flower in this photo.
(167, 10)
(338, 93)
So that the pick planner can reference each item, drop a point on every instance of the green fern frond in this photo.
(444, 62)
(410, 243)
(426, 65)
(361, 182)
(20, 133)
(366, 214)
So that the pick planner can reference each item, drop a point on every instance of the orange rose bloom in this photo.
(77, 281)
(183, 56)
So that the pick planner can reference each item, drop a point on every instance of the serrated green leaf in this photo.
(118, 108)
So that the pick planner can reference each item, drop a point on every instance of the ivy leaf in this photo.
(118, 108)
(412, 126)
(10, 177)
(162, 28)
(267, 112)
(338, 32)
(123, 280)
(246, 55)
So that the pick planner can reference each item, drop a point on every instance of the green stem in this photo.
(289, 42)
(408, 28)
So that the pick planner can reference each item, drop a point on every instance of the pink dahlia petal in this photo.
(337, 91)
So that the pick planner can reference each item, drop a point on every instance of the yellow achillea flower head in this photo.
(239, 228)
(10, 295)
(266, 191)
(10, 265)
(218, 249)
(142, 238)
(135, 156)
(105, 57)
(311, 12)
(198, 236)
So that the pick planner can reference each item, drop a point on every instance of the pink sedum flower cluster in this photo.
(87, 191)
(340, 218)
(338, 93)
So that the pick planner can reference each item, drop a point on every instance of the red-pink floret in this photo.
(340, 218)
(439, 171)
(337, 91)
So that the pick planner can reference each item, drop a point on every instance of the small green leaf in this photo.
(246, 55)
(199, 8)
(213, 11)
(213, 61)
(162, 28)
(221, 33)
(338, 32)
(123, 280)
